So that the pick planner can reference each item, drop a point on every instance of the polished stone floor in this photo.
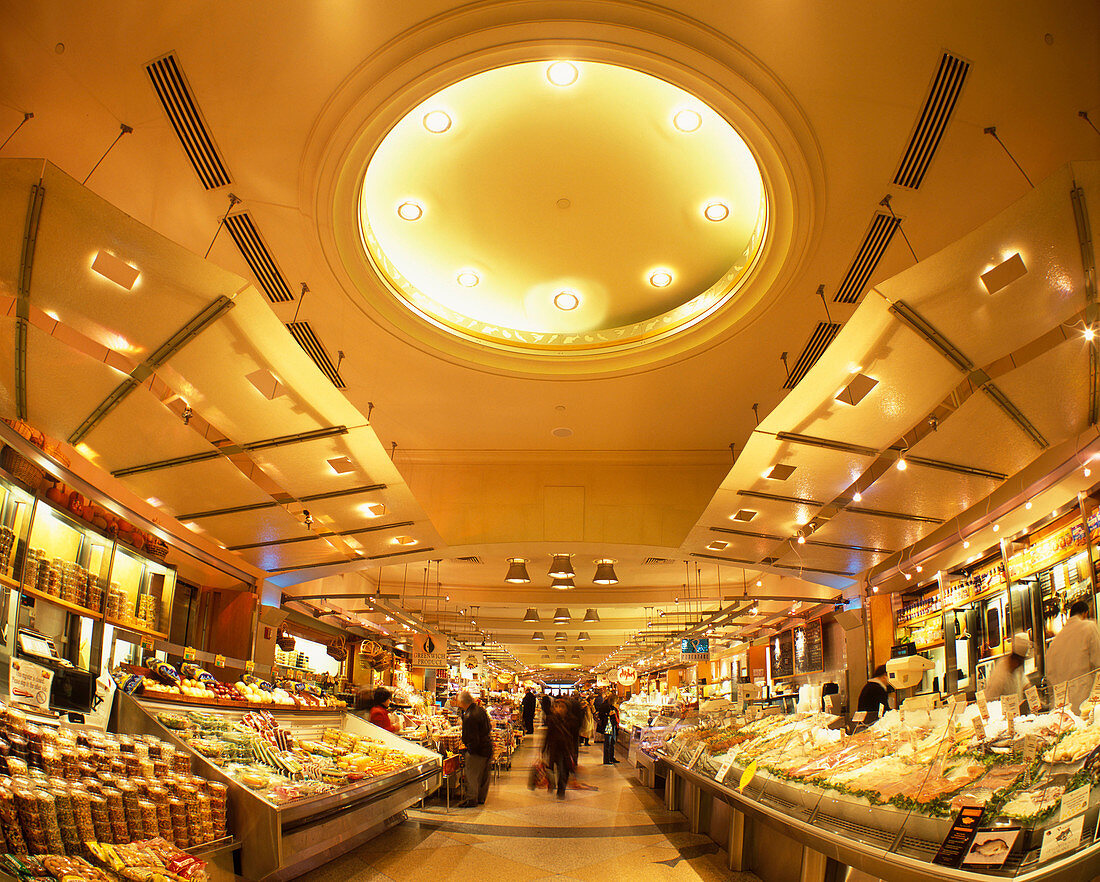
(620, 831)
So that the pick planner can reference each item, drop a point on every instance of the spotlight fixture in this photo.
(307, 519)
(716, 211)
(562, 73)
(468, 279)
(857, 497)
(1004, 273)
(605, 572)
(902, 464)
(567, 300)
(801, 539)
(561, 614)
(561, 567)
(436, 122)
(660, 278)
(531, 615)
(410, 211)
(562, 584)
(1089, 333)
(517, 571)
(590, 615)
(687, 121)
(187, 414)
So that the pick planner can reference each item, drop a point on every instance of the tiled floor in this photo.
(620, 831)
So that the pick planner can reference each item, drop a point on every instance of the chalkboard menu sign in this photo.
(782, 655)
(809, 655)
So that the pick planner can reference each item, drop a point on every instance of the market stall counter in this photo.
(304, 785)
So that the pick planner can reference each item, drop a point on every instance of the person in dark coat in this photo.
(575, 716)
(557, 745)
(478, 739)
(611, 732)
(603, 708)
(547, 707)
(529, 702)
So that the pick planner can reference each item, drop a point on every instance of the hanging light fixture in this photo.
(532, 615)
(517, 571)
(562, 567)
(583, 635)
(562, 584)
(561, 614)
(590, 615)
(605, 572)
(537, 636)
(560, 635)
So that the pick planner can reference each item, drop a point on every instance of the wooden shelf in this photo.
(64, 604)
(137, 629)
(8, 582)
(920, 620)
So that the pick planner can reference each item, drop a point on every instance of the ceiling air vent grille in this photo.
(469, 560)
(259, 259)
(186, 118)
(933, 120)
(824, 335)
(874, 245)
(656, 561)
(303, 333)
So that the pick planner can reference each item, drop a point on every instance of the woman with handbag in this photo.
(611, 732)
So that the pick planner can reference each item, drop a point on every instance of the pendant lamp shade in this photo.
(517, 571)
(532, 615)
(583, 635)
(560, 635)
(561, 614)
(562, 584)
(605, 573)
(561, 567)
(537, 636)
(590, 615)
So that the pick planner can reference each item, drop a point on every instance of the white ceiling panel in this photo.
(925, 491)
(249, 527)
(141, 430)
(848, 528)
(197, 487)
(303, 469)
(828, 559)
(1052, 391)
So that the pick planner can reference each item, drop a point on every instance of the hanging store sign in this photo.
(695, 649)
(627, 675)
(473, 664)
(428, 651)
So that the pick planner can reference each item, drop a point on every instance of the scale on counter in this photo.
(39, 647)
(41, 677)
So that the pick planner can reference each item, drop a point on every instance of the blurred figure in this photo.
(529, 702)
(557, 745)
(1007, 676)
(1073, 654)
(611, 732)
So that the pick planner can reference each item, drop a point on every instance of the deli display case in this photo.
(957, 792)
(303, 785)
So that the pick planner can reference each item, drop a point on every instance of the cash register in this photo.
(71, 689)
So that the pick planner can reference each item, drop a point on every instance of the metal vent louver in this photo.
(933, 120)
(183, 113)
(874, 245)
(469, 560)
(824, 335)
(254, 251)
(303, 333)
(653, 561)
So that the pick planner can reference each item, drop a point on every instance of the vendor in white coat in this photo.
(1074, 654)
(1007, 676)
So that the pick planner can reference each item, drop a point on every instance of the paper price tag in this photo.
(188, 654)
(723, 770)
(695, 756)
(1033, 702)
(147, 643)
(983, 705)
(219, 661)
(859, 717)
(249, 666)
(1011, 724)
(955, 704)
(1010, 706)
(1074, 802)
(979, 727)
(1061, 691)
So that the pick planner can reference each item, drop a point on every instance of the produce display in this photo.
(163, 681)
(929, 762)
(61, 789)
(277, 764)
(151, 860)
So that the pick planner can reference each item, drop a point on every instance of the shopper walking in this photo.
(1074, 655)
(1007, 676)
(547, 707)
(557, 745)
(478, 739)
(611, 732)
(574, 713)
(529, 702)
(380, 709)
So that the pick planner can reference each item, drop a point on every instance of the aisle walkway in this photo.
(619, 832)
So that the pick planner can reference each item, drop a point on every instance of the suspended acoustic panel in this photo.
(934, 116)
(254, 251)
(183, 113)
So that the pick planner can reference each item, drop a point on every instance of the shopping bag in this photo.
(537, 777)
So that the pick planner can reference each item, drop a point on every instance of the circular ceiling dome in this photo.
(563, 207)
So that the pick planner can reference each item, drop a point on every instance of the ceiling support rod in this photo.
(259, 506)
(203, 320)
(23, 296)
(312, 536)
(1088, 266)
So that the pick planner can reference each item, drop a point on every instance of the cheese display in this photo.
(279, 765)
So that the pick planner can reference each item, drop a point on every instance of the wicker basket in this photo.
(21, 468)
(157, 549)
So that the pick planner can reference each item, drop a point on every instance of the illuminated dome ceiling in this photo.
(563, 207)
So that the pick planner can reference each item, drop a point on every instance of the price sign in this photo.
(219, 661)
(1061, 691)
(979, 727)
(1010, 706)
(723, 770)
(147, 643)
(859, 717)
(676, 751)
(249, 666)
(1011, 721)
(1074, 802)
(747, 776)
(188, 654)
(955, 703)
(1032, 696)
(983, 705)
(698, 752)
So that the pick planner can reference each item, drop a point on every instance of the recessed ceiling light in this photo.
(115, 270)
(562, 73)
(467, 278)
(436, 122)
(779, 472)
(566, 300)
(716, 211)
(687, 121)
(660, 278)
(744, 514)
(341, 465)
(856, 390)
(410, 211)
(266, 383)
(372, 509)
(717, 545)
(1004, 274)
(403, 540)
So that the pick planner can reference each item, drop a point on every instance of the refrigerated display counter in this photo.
(289, 828)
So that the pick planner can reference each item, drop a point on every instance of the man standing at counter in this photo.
(1074, 653)
(477, 736)
(1007, 676)
(874, 696)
